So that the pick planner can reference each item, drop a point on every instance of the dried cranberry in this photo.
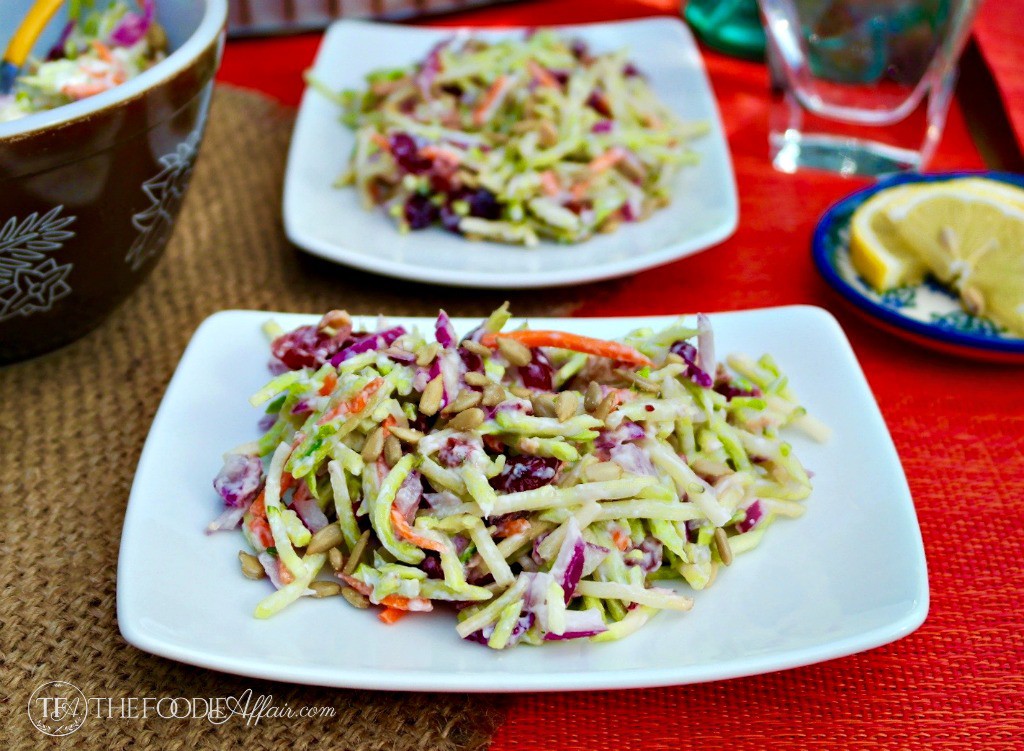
(431, 564)
(728, 390)
(305, 347)
(539, 374)
(599, 102)
(484, 204)
(407, 154)
(525, 473)
(579, 49)
(471, 360)
(562, 76)
(420, 212)
(453, 453)
(450, 219)
(630, 71)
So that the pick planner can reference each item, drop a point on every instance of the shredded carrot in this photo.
(301, 492)
(355, 405)
(438, 152)
(102, 51)
(543, 75)
(83, 90)
(621, 539)
(606, 161)
(258, 523)
(573, 342)
(549, 183)
(406, 531)
(579, 190)
(392, 615)
(360, 587)
(420, 604)
(381, 142)
(490, 101)
(330, 381)
(387, 423)
(282, 571)
(512, 527)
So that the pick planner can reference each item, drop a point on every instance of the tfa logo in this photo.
(57, 708)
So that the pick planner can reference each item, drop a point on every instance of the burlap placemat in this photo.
(73, 424)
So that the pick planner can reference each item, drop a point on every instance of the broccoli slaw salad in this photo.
(102, 45)
(543, 485)
(514, 140)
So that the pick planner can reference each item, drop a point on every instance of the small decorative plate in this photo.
(926, 313)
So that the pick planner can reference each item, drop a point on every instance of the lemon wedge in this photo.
(992, 188)
(970, 237)
(877, 250)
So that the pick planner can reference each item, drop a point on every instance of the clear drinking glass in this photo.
(861, 86)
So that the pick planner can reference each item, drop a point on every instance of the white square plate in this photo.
(847, 576)
(330, 222)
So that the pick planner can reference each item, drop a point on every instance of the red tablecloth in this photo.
(1000, 35)
(959, 428)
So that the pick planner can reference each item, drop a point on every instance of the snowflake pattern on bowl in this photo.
(899, 297)
(966, 323)
(30, 280)
(165, 191)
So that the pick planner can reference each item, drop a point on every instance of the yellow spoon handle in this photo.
(31, 27)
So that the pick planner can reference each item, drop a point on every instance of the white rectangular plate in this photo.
(847, 576)
(330, 222)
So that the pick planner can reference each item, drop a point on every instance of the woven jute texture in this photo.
(73, 424)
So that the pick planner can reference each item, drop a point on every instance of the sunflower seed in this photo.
(373, 446)
(548, 134)
(493, 395)
(605, 407)
(392, 451)
(603, 471)
(521, 391)
(325, 539)
(973, 300)
(516, 353)
(251, 566)
(467, 420)
(476, 348)
(566, 405)
(543, 405)
(354, 598)
(336, 559)
(357, 552)
(593, 397)
(722, 543)
(430, 402)
(644, 384)
(464, 400)
(325, 589)
(408, 435)
(427, 354)
(476, 379)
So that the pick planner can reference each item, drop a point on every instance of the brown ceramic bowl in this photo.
(89, 192)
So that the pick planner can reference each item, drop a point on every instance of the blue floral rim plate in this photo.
(926, 313)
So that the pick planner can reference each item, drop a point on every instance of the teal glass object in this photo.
(731, 26)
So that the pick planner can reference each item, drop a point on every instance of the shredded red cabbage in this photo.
(368, 343)
(239, 480)
(133, 27)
